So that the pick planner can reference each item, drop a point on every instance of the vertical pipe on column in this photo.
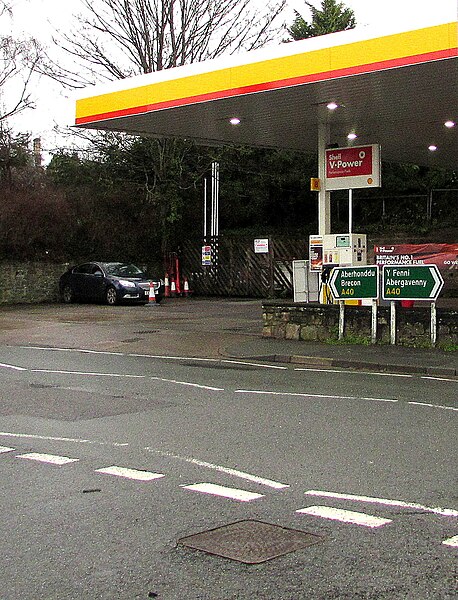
(350, 211)
(205, 209)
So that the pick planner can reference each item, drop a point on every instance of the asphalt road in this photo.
(114, 445)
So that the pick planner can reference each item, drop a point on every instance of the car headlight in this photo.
(125, 283)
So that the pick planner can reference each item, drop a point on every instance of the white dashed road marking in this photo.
(5, 449)
(446, 512)
(130, 473)
(48, 458)
(227, 470)
(226, 492)
(453, 542)
(345, 516)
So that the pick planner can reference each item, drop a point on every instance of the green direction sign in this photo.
(354, 283)
(411, 282)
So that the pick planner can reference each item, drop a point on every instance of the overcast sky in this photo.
(39, 18)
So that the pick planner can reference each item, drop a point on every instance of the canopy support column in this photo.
(324, 197)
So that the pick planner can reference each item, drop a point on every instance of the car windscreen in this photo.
(122, 270)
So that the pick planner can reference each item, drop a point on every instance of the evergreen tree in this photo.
(332, 16)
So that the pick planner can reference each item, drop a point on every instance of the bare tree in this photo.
(19, 60)
(120, 38)
(115, 39)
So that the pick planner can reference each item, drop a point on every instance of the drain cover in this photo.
(250, 542)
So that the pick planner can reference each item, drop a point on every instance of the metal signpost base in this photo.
(341, 319)
(393, 323)
(433, 324)
(374, 322)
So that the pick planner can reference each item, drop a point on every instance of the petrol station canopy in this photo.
(394, 88)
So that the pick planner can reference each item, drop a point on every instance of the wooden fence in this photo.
(237, 270)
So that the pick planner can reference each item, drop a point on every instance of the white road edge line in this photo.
(226, 492)
(136, 474)
(446, 512)
(127, 376)
(453, 542)
(158, 356)
(227, 470)
(58, 439)
(88, 374)
(345, 516)
(433, 405)
(13, 367)
(303, 395)
(4, 449)
(48, 458)
(189, 384)
(252, 364)
(439, 378)
(353, 372)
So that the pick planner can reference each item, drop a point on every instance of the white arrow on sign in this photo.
(332, 282)
(438, 281)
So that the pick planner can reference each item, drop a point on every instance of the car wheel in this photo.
(111, 296)
(67, 294)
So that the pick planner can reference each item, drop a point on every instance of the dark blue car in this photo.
(110, 282)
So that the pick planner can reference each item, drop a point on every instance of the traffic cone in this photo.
(173, 289)
(152, 295)
(166, 286)
(186, 287)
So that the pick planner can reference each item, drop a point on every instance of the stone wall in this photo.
(318, 322)
(30, 282)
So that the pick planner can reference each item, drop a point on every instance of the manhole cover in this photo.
(250, 542)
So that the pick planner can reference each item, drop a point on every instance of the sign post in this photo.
(412, 282)
(355, 283)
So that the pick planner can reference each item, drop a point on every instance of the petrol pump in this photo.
(341, 250)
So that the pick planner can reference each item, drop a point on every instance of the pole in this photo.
(350, 211)
(205, 209)
(215, 211)
(374, 322)
(393, 323)
(341, 319)
(433, 324)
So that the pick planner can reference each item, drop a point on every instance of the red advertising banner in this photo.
(353, 167)
(445, 256)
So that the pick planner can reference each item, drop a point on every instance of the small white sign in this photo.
(261, 246)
